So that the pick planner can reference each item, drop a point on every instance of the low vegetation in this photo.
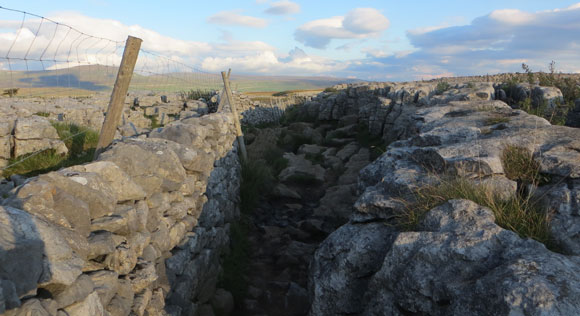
(80, 142)
(520, 213)
(196, 94)
(442, 86)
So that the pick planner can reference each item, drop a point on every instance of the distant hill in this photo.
(101, 78)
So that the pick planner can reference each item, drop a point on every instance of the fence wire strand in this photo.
(52, 69)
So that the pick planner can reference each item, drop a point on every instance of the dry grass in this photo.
(521, 215)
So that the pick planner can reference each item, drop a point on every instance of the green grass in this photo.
(496, 120)
(80, 141)
(256, 180)
(43, 114)
(520, 165)
(236, 264)
(330, 89)
(154, 122)
(521, 215)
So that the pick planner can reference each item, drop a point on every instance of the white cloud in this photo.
(283, 7)
(365, 21)
(234, 18)
(497, 42)
(358, 23)
(242, 56)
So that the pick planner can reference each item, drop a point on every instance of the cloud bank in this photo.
(497, 42)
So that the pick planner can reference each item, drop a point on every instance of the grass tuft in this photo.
(521, 215)
(519, 165)
(80, 141)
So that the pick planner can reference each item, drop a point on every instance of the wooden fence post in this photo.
(231, 101)
(119, 93)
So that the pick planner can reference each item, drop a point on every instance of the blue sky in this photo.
(376, 40)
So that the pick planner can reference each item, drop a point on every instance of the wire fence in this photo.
(54, 70)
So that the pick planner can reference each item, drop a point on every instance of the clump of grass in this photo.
(442, 86)
(154, 122)
(80, 142)
(330, 89)
(496, 120)
(520, 165)
(471, 85)
(43, 114)
(521, 215)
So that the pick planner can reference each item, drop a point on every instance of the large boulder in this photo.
(458, 262)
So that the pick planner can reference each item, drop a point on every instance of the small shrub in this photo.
(442, 86)
(330, 89)
(471, 85)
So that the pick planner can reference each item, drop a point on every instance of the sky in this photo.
(365, 39)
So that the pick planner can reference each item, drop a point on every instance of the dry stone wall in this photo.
(138, 231)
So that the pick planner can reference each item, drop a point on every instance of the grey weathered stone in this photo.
(75, 292)
(90, 306)
(419, 271)
(47, 257)
(106, 283)
(123, 187)
(299, 167)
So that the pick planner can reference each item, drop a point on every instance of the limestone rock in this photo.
(123, 187)
(90, 306)
(299, 168)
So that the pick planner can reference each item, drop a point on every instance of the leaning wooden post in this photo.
(119, 93)
(240, 136)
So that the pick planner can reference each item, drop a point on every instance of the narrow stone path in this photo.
(312, 198)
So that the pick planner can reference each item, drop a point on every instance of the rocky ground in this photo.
(311, 196)
(327, 241)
